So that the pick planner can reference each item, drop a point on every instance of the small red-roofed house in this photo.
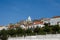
(38, 23)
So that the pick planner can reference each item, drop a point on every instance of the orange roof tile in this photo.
(56, 17)
(36, 22)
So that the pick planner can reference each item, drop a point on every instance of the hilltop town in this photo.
(31, 27)
(29, 23)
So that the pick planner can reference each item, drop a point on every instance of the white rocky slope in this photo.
(38, 37)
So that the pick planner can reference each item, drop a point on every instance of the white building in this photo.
(38, 23)
(54, 21)
(45, 20)
(22, 26)
(3, 27)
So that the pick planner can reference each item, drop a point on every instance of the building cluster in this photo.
(25, 24)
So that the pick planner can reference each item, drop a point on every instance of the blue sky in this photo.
(12, 11)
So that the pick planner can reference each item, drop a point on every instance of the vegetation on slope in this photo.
(18, 32)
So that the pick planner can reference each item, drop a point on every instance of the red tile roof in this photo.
(56, 17)
(38, 22)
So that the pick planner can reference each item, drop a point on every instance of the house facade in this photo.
(55, 20)
(52, 21)
(38, 23)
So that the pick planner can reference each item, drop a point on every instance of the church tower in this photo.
(29, 19)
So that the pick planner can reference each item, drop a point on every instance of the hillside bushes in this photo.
(19, 32)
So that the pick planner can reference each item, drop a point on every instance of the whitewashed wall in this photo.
(54, 21)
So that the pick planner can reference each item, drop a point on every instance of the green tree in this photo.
(19, 31)
(11, 32)
(3, 35)
(29, 32)
(36, 30)
(47, 29)
(39, 31)
(56, 29)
